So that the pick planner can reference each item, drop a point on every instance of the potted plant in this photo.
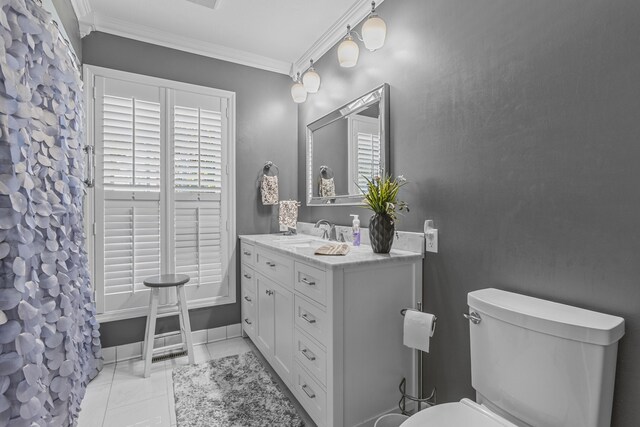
(381, 196)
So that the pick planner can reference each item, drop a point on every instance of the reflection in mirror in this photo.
(345, 147)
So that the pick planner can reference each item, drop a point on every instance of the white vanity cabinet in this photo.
(331, 327)
(275, 325)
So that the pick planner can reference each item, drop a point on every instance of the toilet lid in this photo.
(463, 413)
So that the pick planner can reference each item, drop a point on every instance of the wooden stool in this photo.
(155, 283)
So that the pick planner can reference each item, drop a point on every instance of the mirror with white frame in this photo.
(345, 146)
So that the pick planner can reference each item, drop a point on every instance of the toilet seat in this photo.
(458, 414)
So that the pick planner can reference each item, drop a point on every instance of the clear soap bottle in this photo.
(356, 230)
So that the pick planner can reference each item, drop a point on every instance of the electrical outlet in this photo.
(431, 236)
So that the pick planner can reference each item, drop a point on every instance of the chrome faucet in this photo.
(331, 234)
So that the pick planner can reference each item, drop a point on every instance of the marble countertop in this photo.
(303, 246)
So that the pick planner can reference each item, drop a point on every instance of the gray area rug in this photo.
(234, 391)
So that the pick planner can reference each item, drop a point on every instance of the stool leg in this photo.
(151, 330)
(146, 328)
(185, 324)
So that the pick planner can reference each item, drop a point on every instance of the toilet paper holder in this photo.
(435, 318)
(432, 398)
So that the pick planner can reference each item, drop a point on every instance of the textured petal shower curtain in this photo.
(49, 338)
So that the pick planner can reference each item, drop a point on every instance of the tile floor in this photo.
(120, 397)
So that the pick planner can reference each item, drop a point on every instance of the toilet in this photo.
(533, 363)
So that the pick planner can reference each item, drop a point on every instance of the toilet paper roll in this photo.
(418, 329)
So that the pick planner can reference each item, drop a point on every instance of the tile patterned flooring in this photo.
(120, 397)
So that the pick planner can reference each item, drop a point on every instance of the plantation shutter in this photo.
(368, 157)
(163, 191)
(365, 151)
(199, 131)
(128, 135)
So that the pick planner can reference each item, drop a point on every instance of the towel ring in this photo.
(269, 165)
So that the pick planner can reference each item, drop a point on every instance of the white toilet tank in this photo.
(541, 363)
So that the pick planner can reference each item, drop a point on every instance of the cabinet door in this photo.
(266, 313)
(283, 349)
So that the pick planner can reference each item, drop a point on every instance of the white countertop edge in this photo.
(358, 256)
(405, 241)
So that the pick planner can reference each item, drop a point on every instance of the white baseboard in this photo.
(134, 350)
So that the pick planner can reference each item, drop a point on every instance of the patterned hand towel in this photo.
(327, 187)
(269, 190)
(333, 249)
(288, 215)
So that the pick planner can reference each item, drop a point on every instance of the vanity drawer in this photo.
(312, 397)
(311, 320)
(249, 313)
(248, 279)
(311, 356)
(276, 267)
(311, 281)
(247, 254)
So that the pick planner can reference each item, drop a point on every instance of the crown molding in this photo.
(97, 22)
(211, 4)
(356, 13)
(84, 14)
(82, 8)
(90, 21)
(86, 28)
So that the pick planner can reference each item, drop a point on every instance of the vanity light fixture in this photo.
(374, 33)
(298, 92)
(348, 51)
(374, 30)
(311, 80)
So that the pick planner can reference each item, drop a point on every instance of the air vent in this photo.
(168, 356)
(211, 4)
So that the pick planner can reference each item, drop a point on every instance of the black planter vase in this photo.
(381, 232)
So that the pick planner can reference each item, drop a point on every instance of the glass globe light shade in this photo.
(311, 81)
(374, 31)
(298, 93)
(348, 53)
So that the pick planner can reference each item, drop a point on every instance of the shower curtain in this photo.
(49, 337)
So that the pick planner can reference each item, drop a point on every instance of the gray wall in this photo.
(266, 120)
(517, 124)
(70, 23)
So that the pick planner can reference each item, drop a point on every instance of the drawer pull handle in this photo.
(247, 276)
(308, 354)
(247, 253)
(247, 321)
(271, 264)
(247, 298)
(269, 292)
(306, 389)
(306, 317)
(307, 282)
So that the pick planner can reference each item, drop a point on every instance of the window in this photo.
(164, 190)
(364, 151)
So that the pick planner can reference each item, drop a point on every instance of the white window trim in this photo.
(89, 73)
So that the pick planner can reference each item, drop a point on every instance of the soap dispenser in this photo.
(356, 230)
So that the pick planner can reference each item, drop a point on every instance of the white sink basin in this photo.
(294, 241)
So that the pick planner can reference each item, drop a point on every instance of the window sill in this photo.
(163, 311)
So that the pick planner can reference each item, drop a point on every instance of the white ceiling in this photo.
(277, 35)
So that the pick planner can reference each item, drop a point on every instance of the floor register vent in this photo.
(168, 356)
